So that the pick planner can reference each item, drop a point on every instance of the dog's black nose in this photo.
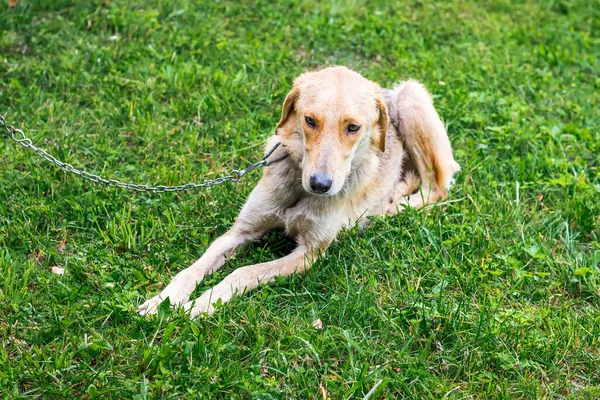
(320, 183)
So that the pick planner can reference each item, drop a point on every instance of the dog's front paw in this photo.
(151, 305)
(201, 305)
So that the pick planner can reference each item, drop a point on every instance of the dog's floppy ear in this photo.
(382, 123)
(290, 100)
(288, 106)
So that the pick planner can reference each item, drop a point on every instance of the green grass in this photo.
(494, 294)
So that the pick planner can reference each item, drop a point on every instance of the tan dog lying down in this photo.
(355, 150)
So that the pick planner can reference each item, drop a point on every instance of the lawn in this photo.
(494, 293)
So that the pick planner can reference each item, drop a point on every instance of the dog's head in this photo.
(330, 118)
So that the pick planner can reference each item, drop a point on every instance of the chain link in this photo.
(234, 176)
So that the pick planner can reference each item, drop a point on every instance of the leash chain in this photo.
(234, 176)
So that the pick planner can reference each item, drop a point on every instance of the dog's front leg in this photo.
(247, 278)
(254, 220)
(184, 283)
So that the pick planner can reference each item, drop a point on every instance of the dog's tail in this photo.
(424, 135)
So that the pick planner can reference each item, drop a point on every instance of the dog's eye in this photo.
(310, 121)
(353, 128)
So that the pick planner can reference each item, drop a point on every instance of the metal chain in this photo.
(235, 175)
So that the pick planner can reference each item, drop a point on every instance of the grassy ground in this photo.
(495, 294)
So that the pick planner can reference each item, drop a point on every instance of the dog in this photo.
(350, 150)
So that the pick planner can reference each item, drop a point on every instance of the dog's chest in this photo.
(317, 220)
(313, 220)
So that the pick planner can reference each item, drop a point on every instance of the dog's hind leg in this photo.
(254, 220)
(425, 139)
(405, 194)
